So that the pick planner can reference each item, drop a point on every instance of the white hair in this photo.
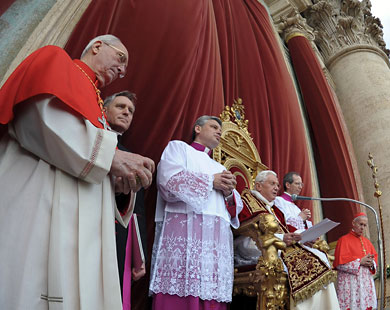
(262, 176)
(107, 38)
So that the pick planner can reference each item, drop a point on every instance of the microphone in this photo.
(296, 197)
(381, 261)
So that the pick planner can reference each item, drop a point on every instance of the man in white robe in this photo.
(292, 184)
(58, 170)
(192, 261)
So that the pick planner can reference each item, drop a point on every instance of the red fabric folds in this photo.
(254, 69)
(57, 75)
(329, 136)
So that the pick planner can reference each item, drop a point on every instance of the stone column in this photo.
(350, 40)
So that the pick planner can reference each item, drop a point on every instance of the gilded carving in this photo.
(237, 153)
(236, 143)
(273, 279)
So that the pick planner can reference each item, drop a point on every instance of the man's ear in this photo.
(198, 128)
(96, 47)
(258, 186)
(105, 109)
(288, 185)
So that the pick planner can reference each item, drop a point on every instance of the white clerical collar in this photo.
(268, 204)
(200, 147)
(262, 198)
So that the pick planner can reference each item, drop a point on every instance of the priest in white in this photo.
(58, 170)
(192, 260)
(292, 184)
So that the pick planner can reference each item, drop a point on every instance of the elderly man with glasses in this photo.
(59, 169)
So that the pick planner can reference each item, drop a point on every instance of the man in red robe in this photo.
(58, 169)
(355, 260)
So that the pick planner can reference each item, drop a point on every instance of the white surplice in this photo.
(355, 286)
(291, 213)
(193, 246)
(57, 209)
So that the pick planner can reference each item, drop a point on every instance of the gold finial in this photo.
(236, 114)
(374, 169)
(226, 115)
(238, 111)
(378, 194)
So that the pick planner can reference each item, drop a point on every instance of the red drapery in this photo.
(254, 69)
(189, 58)
(329, 136)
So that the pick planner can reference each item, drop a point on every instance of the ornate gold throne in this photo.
(238, 154)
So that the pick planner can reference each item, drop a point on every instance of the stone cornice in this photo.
(280, 8)
(343, 24)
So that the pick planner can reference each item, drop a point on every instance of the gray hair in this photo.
(132, 97)
(107, 38)
(202, 120)
(262, 176)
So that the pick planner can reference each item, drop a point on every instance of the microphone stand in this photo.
(380, 241)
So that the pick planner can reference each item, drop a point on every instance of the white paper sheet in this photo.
(318, 230)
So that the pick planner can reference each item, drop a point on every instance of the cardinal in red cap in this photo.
(356, 262)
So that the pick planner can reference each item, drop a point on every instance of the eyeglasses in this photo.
(122, 58)
(298, 184)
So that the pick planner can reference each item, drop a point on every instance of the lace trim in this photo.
(193, 256)
(355, 291)
(193, 188)
(296, 222)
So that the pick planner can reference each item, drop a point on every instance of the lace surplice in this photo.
(193, 248)
(193, 257)
(191, 188)
(355, 287)
(291, 214)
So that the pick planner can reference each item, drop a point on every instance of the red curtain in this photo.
(329, 137)
(254, 69)
(189, 58)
